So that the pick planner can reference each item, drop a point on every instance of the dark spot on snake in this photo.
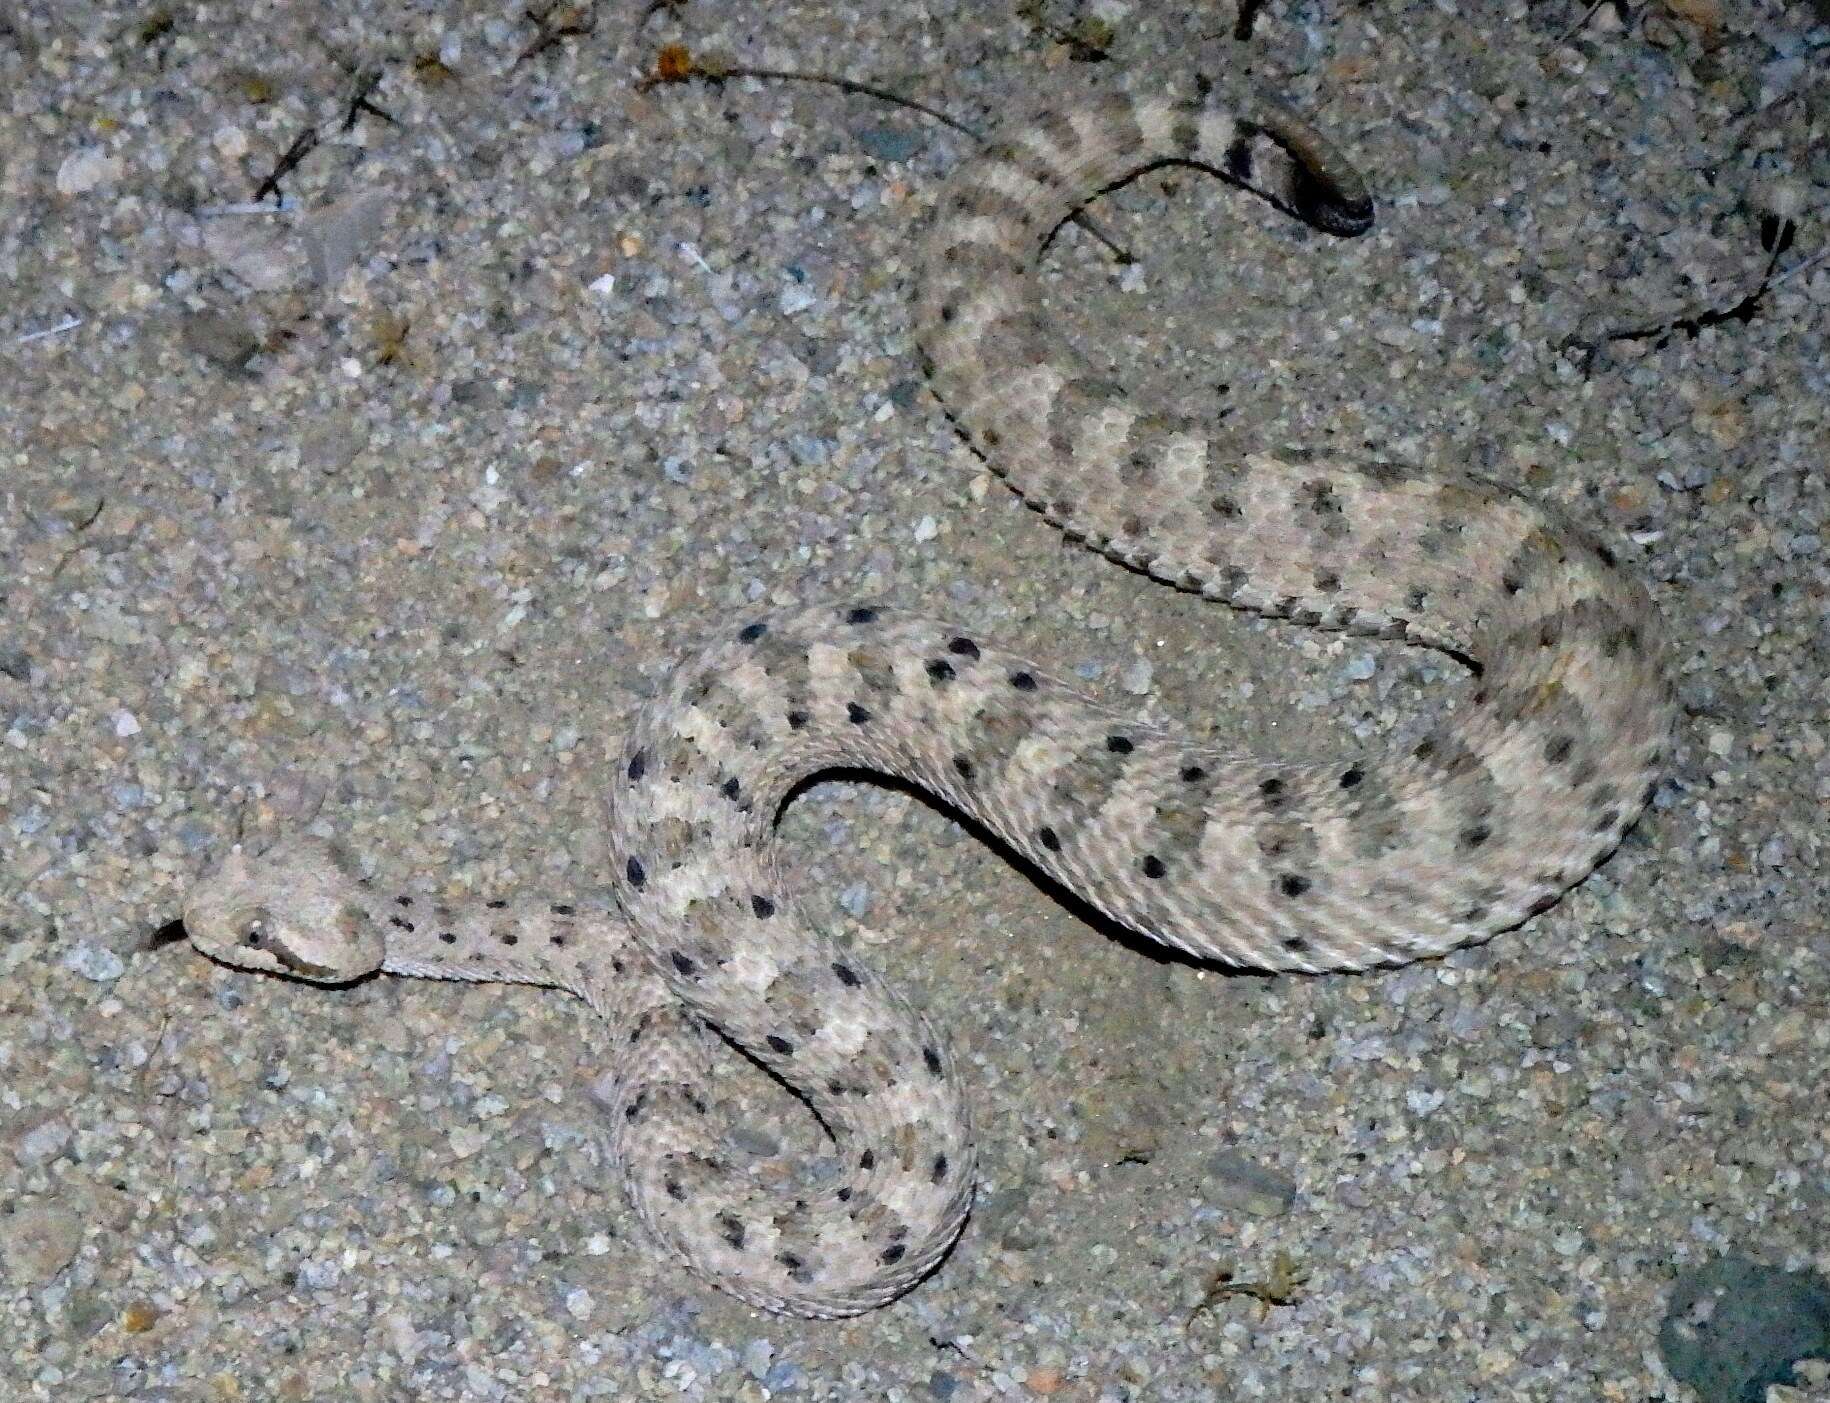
(495, 905)
(1292, 885)
(762, 906)
(508, 937)
(843, 1195)
(780, 1044)
(562, 910)
(963, 647)
(637, 874)
(1474, 835)
(1049, 839)
(730, 788)
(891, 1255)
(403, 901)
(1023, 681)
(674, 1191)
(557, 941)
(684, 963)
(963, 765)
(796, 720)
(1606, 555)
(731, 1229)
(846, 975)
(1557, 749)
(863, 614)
(1351, 776)
(1627, 638)
(931, 1059)
(867, 1160)
(1511, 585)
(1607, 820)
(1295, 942)
(634, 1108)
(856, 714)
(1237, 163)
(1119, 745)
(1153, 867)
(751, 632)
(638, 765)
(1193, 774)
(447, 938)
(939, 670)
(1424, 748)
(401, 923)
(939, 1171)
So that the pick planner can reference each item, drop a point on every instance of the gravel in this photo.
(374, 508)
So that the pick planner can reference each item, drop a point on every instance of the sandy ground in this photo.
(377, 515)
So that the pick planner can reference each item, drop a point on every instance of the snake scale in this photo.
(1257, 861)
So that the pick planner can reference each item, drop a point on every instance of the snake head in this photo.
(295, 910)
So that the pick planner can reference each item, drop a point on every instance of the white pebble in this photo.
(927, 529)
(125, 724)
(758, 1355)
(82, 171)
(1137, 678)
(95, 962)
(320, 1276)
(42, 1142)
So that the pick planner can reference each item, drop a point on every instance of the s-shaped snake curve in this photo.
(1259, 861)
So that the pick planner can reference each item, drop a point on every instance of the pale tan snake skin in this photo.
(1257, 861)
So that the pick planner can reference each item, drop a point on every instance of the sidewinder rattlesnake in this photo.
(1260, 862)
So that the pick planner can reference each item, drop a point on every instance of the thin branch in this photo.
(1580, 24)
(1742, 310)
(676, 65)
(298, 151)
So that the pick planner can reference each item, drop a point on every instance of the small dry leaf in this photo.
(256, 88)
(1045, 1380)
(432, 70)
(1706, 15)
